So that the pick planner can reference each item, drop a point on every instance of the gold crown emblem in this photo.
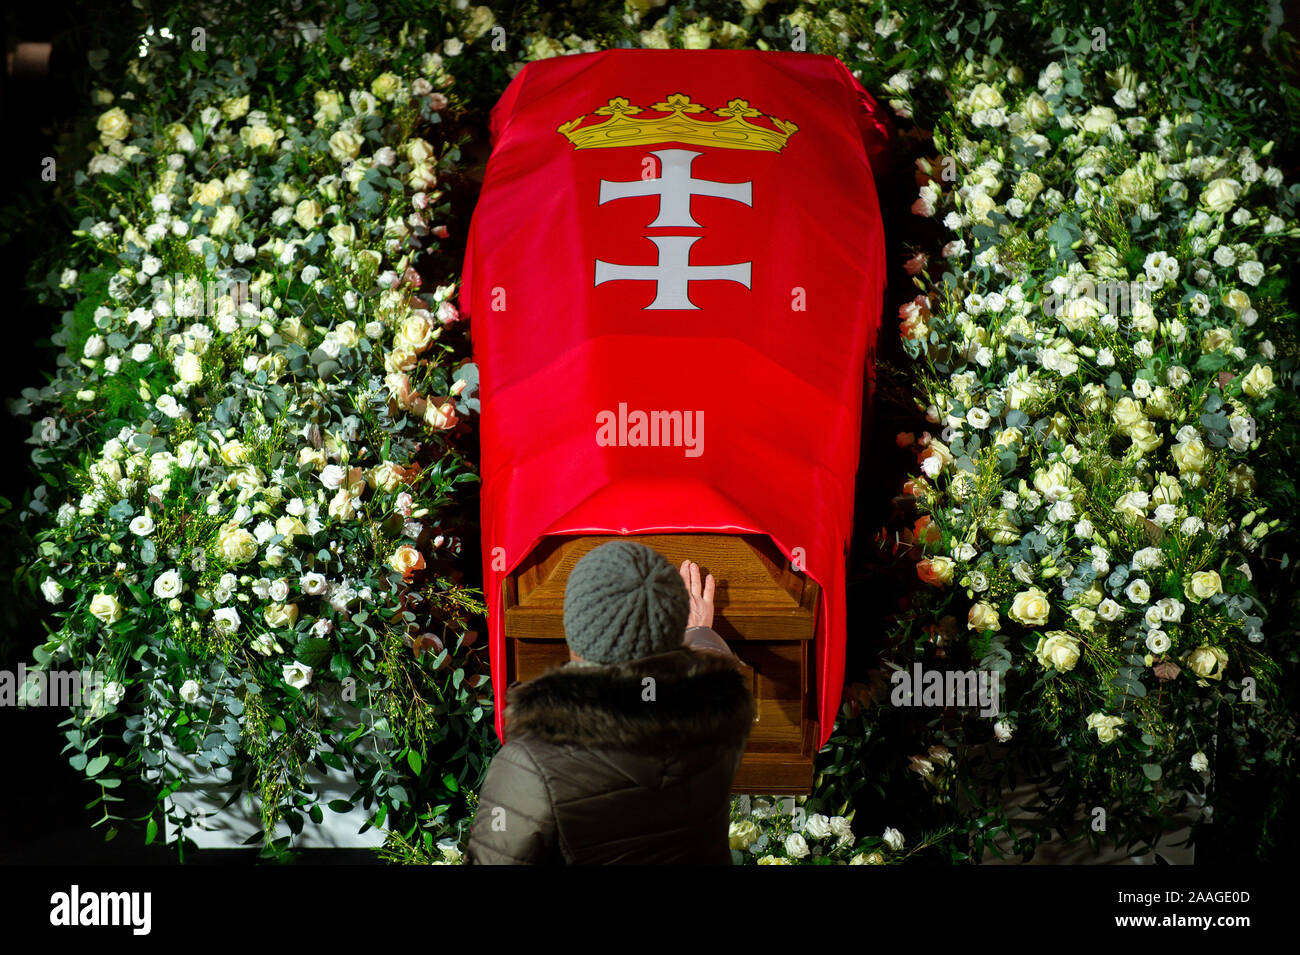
(628, 126)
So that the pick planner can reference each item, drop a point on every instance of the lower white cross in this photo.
(673, 272)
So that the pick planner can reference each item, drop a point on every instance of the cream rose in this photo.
(1058, 650)
(114, 125)
(386, 86)
(280, 615)
(1207, 662)
(417, 331)
(406, 560)
(225, 220)
(235, 107)
(982, 616)
(307, 213)
(936, 571)
(983, 96)
(1030, 608)
(106, 608)
(345, 145)
(209, 193)
(343, 233)
(328, 105)
(1202, 585)
(188, 368)
(236, 545)
(1126, 413)
(259, 137)
(743, 834)
(1098, 119)
(1108, 727)
(1191, 455)
(1258, 381)
(1037, 110)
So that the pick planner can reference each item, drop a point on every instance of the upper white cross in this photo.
(675, 186)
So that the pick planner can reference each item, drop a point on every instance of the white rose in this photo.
(333, 476)
(189, 369)
(190, 691)
(893, 838)
(106, 608)
(52, 590)
(817, 826)
(296, 674)
(168, 585)
(226, 620)
(1220, 195)
(795, 846)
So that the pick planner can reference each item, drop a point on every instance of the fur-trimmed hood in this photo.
(695, 699)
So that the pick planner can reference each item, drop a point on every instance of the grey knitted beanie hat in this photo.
(624, 601)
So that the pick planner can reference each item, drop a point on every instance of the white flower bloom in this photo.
(893, 838)
(142, 525)
(1158, 641)
(297, 674)
(168, 585)
(226, 619)
(313, 583)
(190, 691)
(1138, 591)
(52, 590)
(333, 476)
(1148, 557)
(1251, 272)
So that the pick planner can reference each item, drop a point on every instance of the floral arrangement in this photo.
(257, 487)
(253, 516)
(1099, 338)
(770, 830)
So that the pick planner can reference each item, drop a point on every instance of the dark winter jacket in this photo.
(626, 763)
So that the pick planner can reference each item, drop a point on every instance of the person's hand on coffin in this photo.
(701, 594)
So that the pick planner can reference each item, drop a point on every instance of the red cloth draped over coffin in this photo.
(678, 231)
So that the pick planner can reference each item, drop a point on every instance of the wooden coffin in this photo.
(764, 608)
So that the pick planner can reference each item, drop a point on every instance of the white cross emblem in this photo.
(675, 186)
(673, 272)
